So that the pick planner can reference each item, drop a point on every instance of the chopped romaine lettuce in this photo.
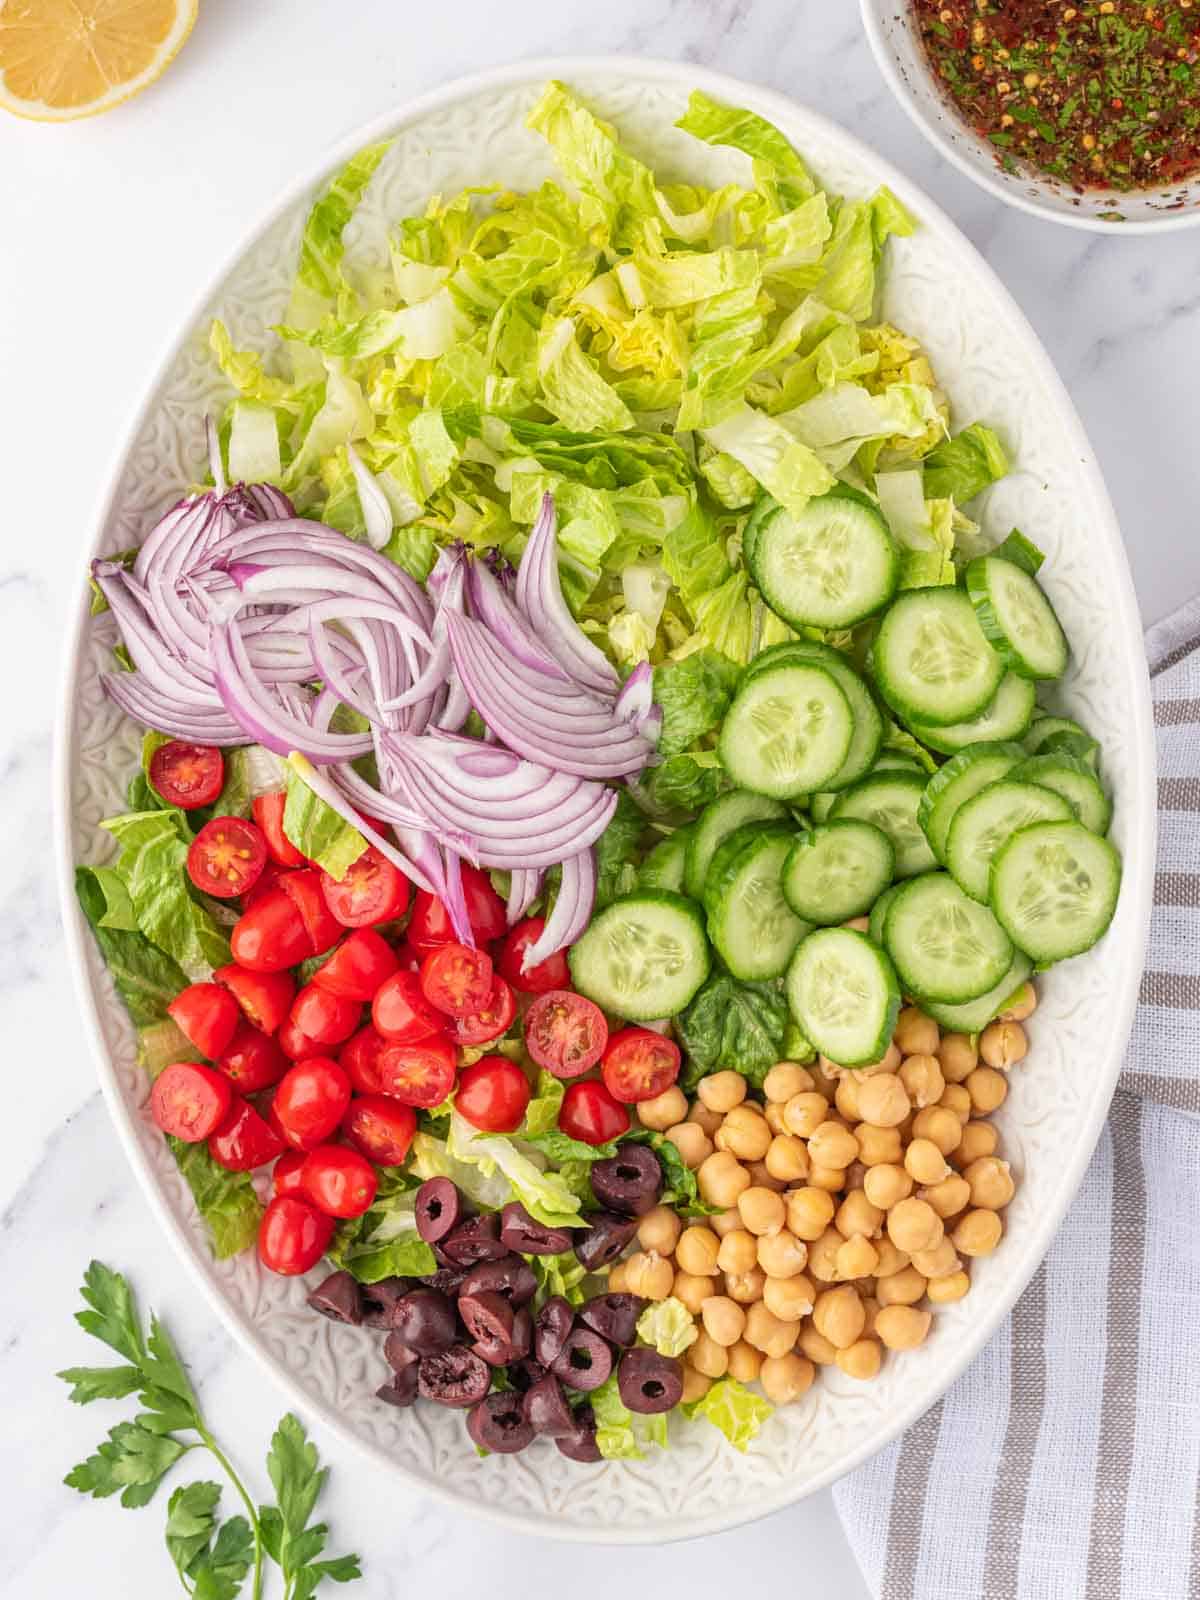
(316, 830)
(735, 1410)
(621, 1434)
(669, 1326)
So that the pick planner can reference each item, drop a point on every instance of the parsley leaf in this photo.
(292, 1542)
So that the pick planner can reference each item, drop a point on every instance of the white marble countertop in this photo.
(111, 230)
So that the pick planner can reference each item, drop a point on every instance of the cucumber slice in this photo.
(963, 776)
(1054, 889)
(716, 822)
(1007, 717)
(752, 928)
(829, 567)
(642, 957)
(974, 1015)
(931, 659)
(787, 732)
(665, 866)
(1074, 779)
(945, 946)
(896, 761)
(986, 821)
(821, 805)
(837, 871)
(1017, 618)
(890, 801)
(844, 994)
(1060, 736)
(879, 912)
(867, 738)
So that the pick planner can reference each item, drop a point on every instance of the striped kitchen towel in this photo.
(1064, 1464)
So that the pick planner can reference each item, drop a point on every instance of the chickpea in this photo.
(857, 1214)
(692, 1291)
(745, 1133)
(782, 1255)
(832, 1146)
(664, 1111)
(939, 1262)
(745, 1362)
(649, 1274)
(857, 1258)
(805, 1112)
(822, 1256)
(708, 1120)
(695, 1384)
(721, 1091)
(1022, 1007)
(839, 1315)
(877, 1146)
(890, 1260)
(916, 1034)
(885, 1186)
(785, 1079)
(956, 1099)
(787, 1158)
(693, 1144)
(979, 1139)
(786, 1378)
(616, 1279)
(902, 1327)
(884, 1101)
(871, 1307)
(858, 924)
(762, 1177)
(862, 1359)
(723, 1318)
(944, 1291)
(903, 1288)
(789, 1299)
(856, 1174)
(767, 1333)
(723, 1222)
(773, 1115)
(817, 1347)
(923, 1081)
(889, 1061)
(659, 1230)
(986, 1089)
(845, 1097)
(762, 1211)
(949, 1197)
(914, 1225)
(943, 1126)
(697, 1251)
(824, 1082)
(978, 1233)
(924, 1162)
(721, 1178)
(991, 1182)
(831, 1179)
(958, 1056)
(745, 1287)
(707, 1356)
(1003, 1044)
(738, 1252)
(809, 1213)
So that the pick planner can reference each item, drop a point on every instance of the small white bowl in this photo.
(902, 60)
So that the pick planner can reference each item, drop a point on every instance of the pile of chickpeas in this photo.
(852, 1202)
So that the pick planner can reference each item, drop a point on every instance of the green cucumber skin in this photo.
(978, 582)
(950, 738)
(882, 1039)
(1081, 790)
(1043, 953)
(759, 808)
(948, 775)
(722, 885)
(944, 708)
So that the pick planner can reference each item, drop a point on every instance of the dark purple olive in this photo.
(446, 1280)
(456, 1377)
(554, 1322)
(630, 1182)
(379, 1298)
(339, 1298)
(397, 1354)
(510, 1276)
(580, 1444)
(649, 1382)
(401, 1390)
(500, 1350)
(606, 1236)
(439, 1209)
(486, 1315)
(528, 1237)
(476, 1239)
(524, 1374)
(614, 1317)
(585, 1361)
(424, 1320)
(546, 1409)
(498, 1423)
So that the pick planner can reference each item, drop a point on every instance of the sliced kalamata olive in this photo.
(510, 1276)
(476, 1239)
(398, 1355)
(446, 1280)
(614, 1317)
(580, 1444)
(486, 1315)
(456, 1377)
(546, 1409)
(439, 1209)
(630, 1182)
(524, 1374)
(585, 1361)
(554, 1323)
(524, 1234)
(379, 1298)
(498, 1423)
(424, 1320)
(607, 1235)
(339, 1298)
(500, 1350)
(649, 1382)
(401, 1390)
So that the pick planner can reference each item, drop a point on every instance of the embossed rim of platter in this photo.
(1023, 1253)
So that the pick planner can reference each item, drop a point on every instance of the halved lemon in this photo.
(61, 59)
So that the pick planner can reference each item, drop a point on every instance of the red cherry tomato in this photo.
(457, 979)
(491, 1020)
(253, 1060)
(226, 857)
(269, 878)
(265, 997)
(372, 890)
(358, 1059)
(296, 1045)
(493, 1094)
(292, 1236)
(409, 959)
(244, 1140)
(190, 1101)
(401, 1012)
(381, 1128)
(285, 1174)
(553, 973)
(271, 935)
(187, 775)
(324, 1017)
(639, 1064)
(589, 1113)
(565, 1033)
(430, 923)
(268, 813)
(311, 1100)
(303, 889)
(206, 1015)
(358, 966)
(418, 1074)
(339, 1182)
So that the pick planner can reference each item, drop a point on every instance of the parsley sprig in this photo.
(213, 1557)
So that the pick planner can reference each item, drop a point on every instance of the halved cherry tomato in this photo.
(268, 813)
(292, 1236)
(408, 958)
(244, 1140)
(324, 1017)
(265, 997)
(358, 1057)
(401, 1012)
(206, 1015)
(372, 890)
(190, 1101)
(381, 1127)
(639, 1064)
(457, 979)
(430, 923)
(418, 1074)
(187, 775)
(303, 889)
(226, 858)
(553, 973)
(565, 1033)
(285, 1174)
(269, 878)
(270, 936)
(339, 1182)
(358, 966)
(589, 1113)
(493, 1094)
(252, 1060)
(296, 1044)
(490, 1021)
(310, 1101)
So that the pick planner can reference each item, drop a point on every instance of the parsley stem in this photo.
(251, 1514)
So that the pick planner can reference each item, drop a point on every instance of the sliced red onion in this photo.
(138, 700)
(523, 889)
(261, 714)
(539, 596)
(572, 910)
(635, 699)
(377, 513)
(497, 612)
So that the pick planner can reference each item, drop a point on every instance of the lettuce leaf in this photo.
(772, 455)
(493, 1169)
(384, 1242)
(733, 1024)
(226, 1200)
(146, 979)
(152, 866)
(562, 1275)
(669, 1326)
(734, 1409)
(621, 1434)
(617, 852)
(694, 694)
(316, 830)
(707, 119)
(960, 468)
